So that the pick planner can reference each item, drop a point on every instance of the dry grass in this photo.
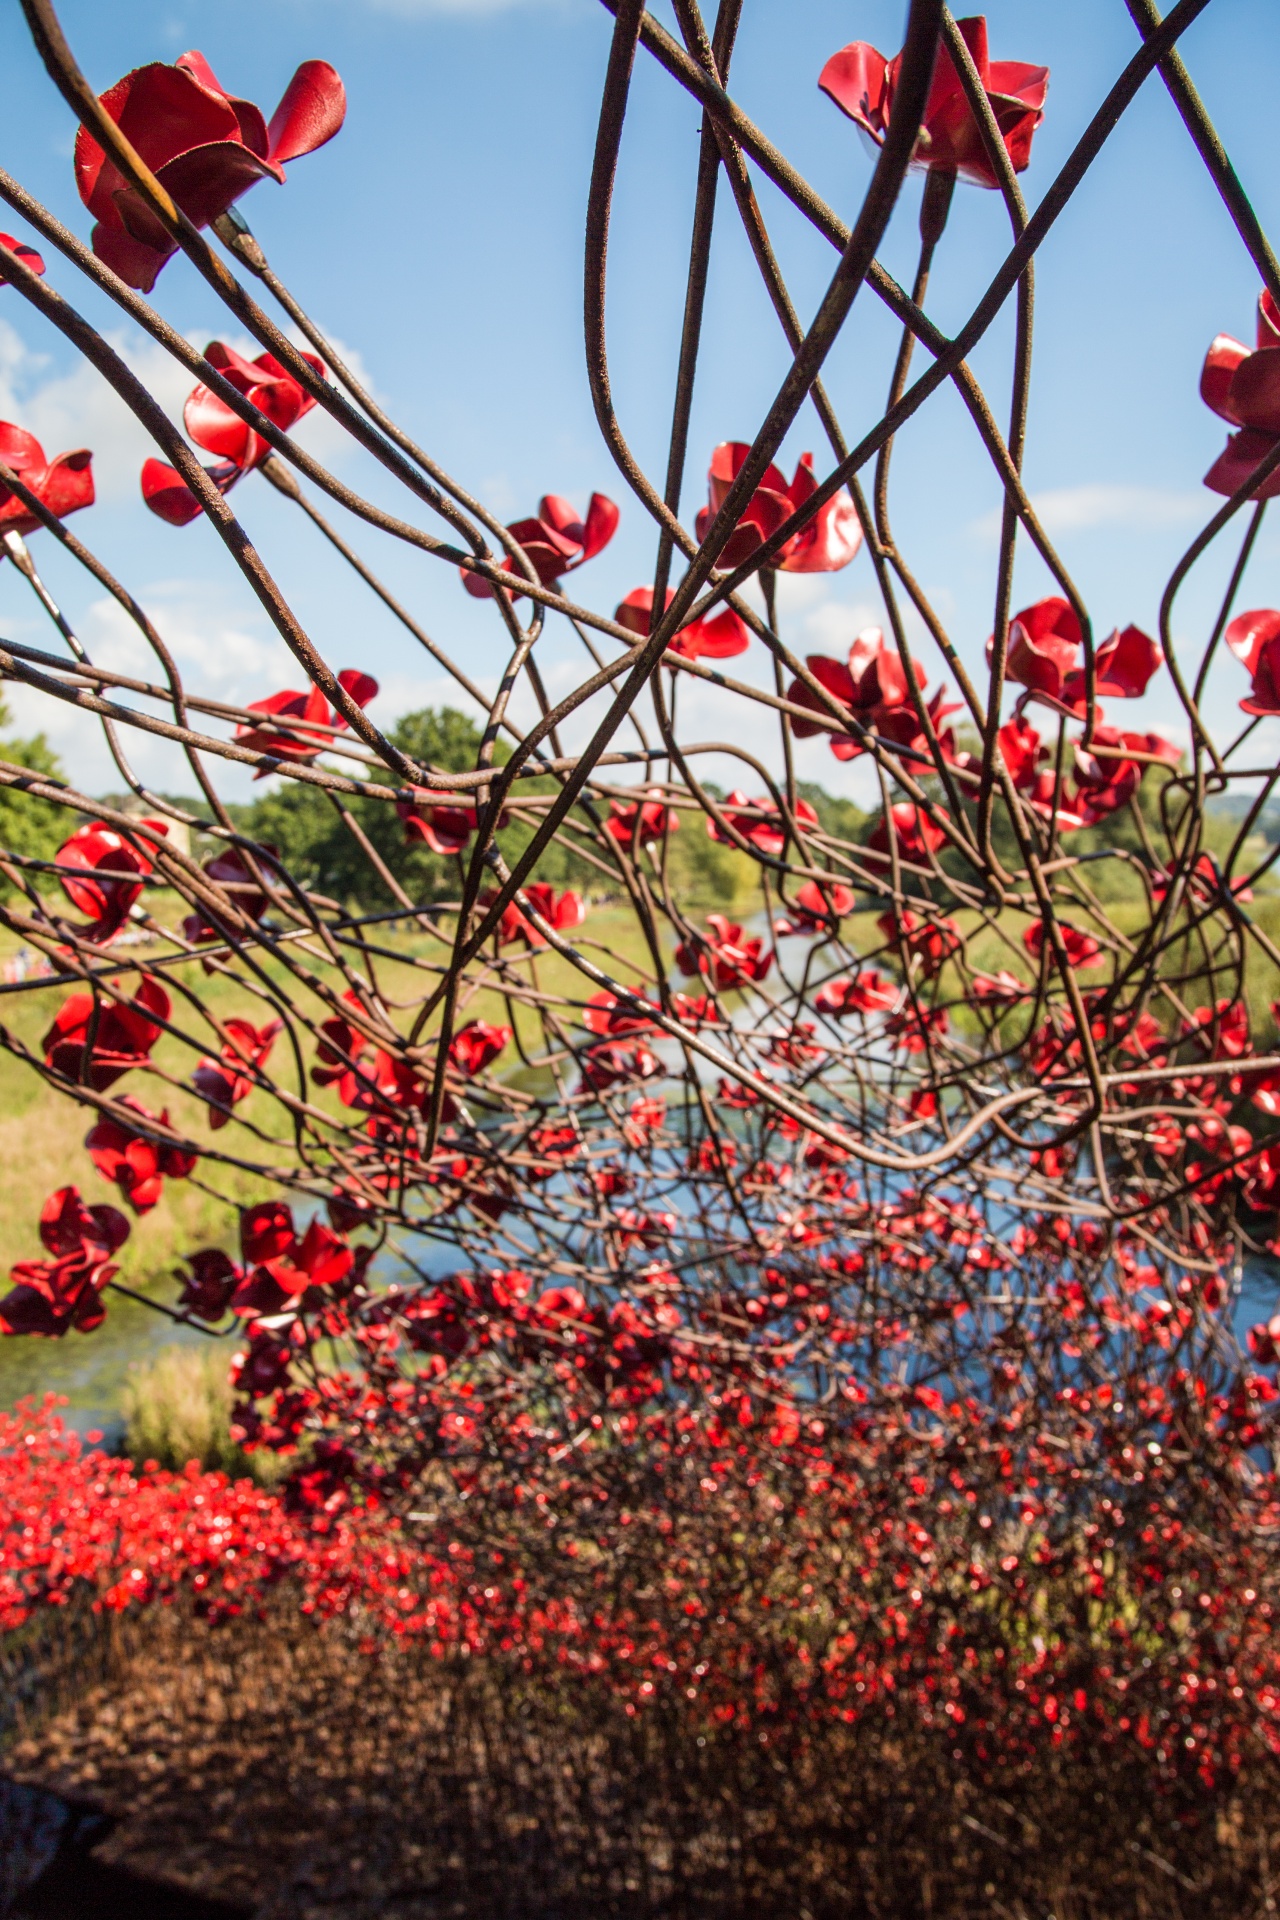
(271, 1763)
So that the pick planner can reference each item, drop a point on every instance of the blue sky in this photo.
(439, 239)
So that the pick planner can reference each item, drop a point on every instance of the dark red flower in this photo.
(63, 484)
(614, 1061)
(265, 1231)
(310, 713)
(728, 959)
(1254, 638)
(475, 1045)
(223, 1082)
(51, 1296)
(319, 1259)
(213, 426)
(105, 857)
(137, 1164)
(760, 822)
(1105, 778)
(605, 1014)
(204, 146)
(230, 874)
(563, 913)
(28, 256)
(929, 943)
(123, 1035)
(721, 637)
(208, 1286)
(1243, 388)
(556, 542)
(633, 822)
(862, 83)
(826, 544)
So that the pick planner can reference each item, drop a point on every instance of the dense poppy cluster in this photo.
(758, 1253)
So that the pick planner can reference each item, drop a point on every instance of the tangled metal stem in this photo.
(915, 1141)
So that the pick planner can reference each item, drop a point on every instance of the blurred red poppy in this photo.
(205, 146)
(229, 872)
(138, 1165)
(223, 1082)
(123, 1034)
(63, 484)
(51, 1296)
(862, 84)
(760, 822)
(640, 821)
(21, 252)
(916, 834)
(556, 542)
(475, 1045)
(725, 957)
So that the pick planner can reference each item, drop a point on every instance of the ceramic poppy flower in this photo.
(213, 426)
(27, 256)
(475, 1045)
(728, 959)
(205, 146)
(105, 896)
(1044, 655)
(1105, 778)
(862, 84)
(640, 822)
(867, 992)
(605, 1014)
(826, 544)
(307, 710)
(916, 834)
(613, 1063)
(760, 822)
(563, 913)
(928, 943)
(319, 1259)
(63, 484)
(1082, 950)
(1243, 389)
(557, 541)
(230, 873)
(722, 637)
(123, 1034)
(52, 1296)
(999, 989)
(212, 1277)
(224, 1082)
(817, 909)
(138, 1164)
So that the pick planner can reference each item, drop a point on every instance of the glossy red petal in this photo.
(361, 686)
(28, 256)
(312, 110)
(212, 425)
(1249, 632)
(1236, 464)
(602, 523)
(68, 482)
(1220, 363)
(857, 80)
(1254, 396)
(636, 611)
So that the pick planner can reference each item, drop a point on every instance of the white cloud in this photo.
(1100, 504)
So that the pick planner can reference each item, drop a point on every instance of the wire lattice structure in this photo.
(858, 1170)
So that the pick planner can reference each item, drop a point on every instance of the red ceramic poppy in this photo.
(1045, 642)
(443, 827)
(1106, 780)
(52, 1296)
(929, 943)
(557, 541)
(123, 1034)
(1254, 638)
(828, 543)
(722, 637)
(633, 822)
(223, 1082)
(1243, 388)
(862, 84)
(867, 992)
(817, 909)
(915, 833)
(207, 1287)
(760, 822)
(1082, 950)
(205, 146)
(309, 710)
(137, 1164)
(475, 1045)
(230, 873)
(728, 959)
(213, 426)
(605, 1014)
(999, 989)
(105, 857)
(63, 485)
(21, 252)
(319, 1259)
(563, 913)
